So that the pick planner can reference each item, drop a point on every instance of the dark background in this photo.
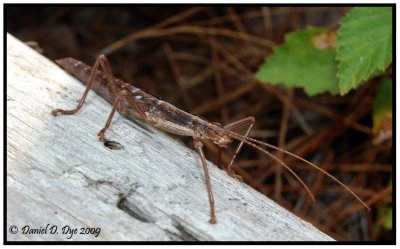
(211, 75)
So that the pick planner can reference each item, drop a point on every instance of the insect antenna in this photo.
(246, 141)
(252, 142)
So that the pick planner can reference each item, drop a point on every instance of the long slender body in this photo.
(158, 113)
(134, 102)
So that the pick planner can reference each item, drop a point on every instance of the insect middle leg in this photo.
(199, 146)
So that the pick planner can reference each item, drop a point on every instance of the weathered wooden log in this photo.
(60, 178)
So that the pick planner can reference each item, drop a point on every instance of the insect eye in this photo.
(217, 132)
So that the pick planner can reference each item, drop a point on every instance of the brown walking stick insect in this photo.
(134, 102)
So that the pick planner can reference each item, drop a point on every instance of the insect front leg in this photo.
(249, 121)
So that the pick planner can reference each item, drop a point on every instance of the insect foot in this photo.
(56, 112)
(233, 174)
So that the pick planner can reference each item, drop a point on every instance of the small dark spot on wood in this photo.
(113, 145)
(132, 210)
(185, 234)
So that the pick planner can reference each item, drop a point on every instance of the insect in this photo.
(133, 102)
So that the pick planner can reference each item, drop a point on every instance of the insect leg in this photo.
(249, 121)
(105, 65)
(199, 146)
(57, 112)
(100, 134)
(102, 61)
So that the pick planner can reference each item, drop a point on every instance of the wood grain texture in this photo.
(153, 189)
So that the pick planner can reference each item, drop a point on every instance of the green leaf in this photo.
(364, 45)
(302, 61)
(382, 114)
(388, 219)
